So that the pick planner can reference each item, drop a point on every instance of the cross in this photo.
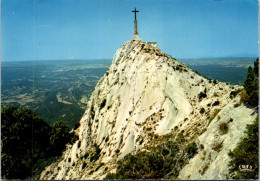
(135, 12)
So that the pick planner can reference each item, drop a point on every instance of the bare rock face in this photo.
(147, 92)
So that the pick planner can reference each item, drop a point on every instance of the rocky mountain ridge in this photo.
(147, 93)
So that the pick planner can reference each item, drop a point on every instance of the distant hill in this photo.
(232, 70)
(56, 90)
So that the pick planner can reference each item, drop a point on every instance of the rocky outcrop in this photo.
(146, 92)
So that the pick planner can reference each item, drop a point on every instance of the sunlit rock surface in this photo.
(144, 92)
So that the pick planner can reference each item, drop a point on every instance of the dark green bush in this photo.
(96, 154)
(223, 127)
(102, 105)
(233, 94)
(246, 153)
(28, 143)
(143, 165)
(218, 146)
(202, 110)
(160, 162)
(251, 83)
(191, 149)
(59, 136)
(216, 103)
(25, 139)
(244, 97)
(205, 168)
(202, 95)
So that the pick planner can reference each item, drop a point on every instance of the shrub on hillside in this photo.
(59, 136)
(251, 83)
(246, 153)
(202, 110)
(28, 143)
(25, 139)
(234, 93)
(96, 153)
(244, 98)
(163, 162)
(202, 95)
(143, 165)
(191, 149)
(216, 103)
(218, 146)
(223, 127)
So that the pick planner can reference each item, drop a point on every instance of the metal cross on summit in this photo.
(136, 37)
(135, 12)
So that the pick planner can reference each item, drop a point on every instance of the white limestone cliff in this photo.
(144, 92)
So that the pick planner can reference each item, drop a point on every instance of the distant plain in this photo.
(59, 90)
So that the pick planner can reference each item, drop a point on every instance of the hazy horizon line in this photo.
(99, 59)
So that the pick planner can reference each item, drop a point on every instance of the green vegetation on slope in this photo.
(38, 85)
(164, 160)
(28, 144)
(244, 158)
(51, 110)
(251, 84)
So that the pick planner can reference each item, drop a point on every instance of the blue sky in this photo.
(95, 29)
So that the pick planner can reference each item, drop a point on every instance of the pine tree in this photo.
(256, 65)
(251, 83)
(28, 143)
